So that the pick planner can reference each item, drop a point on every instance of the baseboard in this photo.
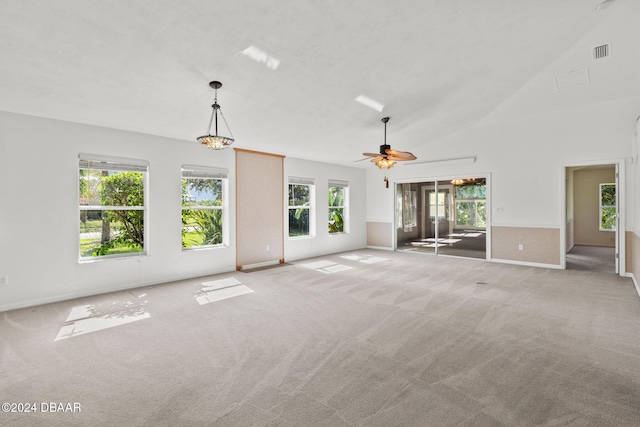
(69, 296)
(527, 264)
(259, 264)
(380, 248)
(635, 282)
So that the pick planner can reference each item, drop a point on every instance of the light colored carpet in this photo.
(395, 339)
(592, 258)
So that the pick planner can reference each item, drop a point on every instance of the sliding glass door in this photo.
(447, 217)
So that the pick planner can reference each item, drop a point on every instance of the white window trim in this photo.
(310, 182)
(208, 172)
(102, 162)
(600, 206)
(345, 206)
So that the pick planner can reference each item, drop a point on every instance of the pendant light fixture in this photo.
(216, 142)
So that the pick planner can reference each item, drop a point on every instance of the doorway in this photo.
(593, 241)
(443, 217)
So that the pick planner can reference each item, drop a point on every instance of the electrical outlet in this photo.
(267, 248)
(521, 247)
(4, 280)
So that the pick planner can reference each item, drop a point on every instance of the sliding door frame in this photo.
(435, 180)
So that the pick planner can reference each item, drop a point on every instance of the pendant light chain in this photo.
(225, 123)
(215, 141)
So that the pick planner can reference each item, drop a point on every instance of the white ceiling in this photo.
(438, 66)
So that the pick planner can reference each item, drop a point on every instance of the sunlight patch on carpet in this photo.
(222, 289)
(84, 319)
(367, 259)
(326, 267)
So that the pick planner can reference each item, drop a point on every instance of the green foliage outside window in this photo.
(201, 212)
(471, 206)
(118, 230)
(299, 206)
(608, 207)
(336, 209)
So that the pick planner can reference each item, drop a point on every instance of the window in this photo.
(607, 207)
(300, 206)
(338, 192)
(111, 206)
(202, 206)
(471, 205)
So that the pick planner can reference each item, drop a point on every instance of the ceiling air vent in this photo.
(601, 51)
(573, 78)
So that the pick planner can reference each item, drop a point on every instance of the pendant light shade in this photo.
(215, 141)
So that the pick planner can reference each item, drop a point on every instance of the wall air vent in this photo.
(602, 51)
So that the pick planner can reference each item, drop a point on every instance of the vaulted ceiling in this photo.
(438, 66)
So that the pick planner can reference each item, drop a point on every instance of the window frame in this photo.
(475, 201)
(207, 172)
(309, 182)
(601, 207)
(103, 163)
(334, 183)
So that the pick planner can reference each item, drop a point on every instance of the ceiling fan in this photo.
(388, 157)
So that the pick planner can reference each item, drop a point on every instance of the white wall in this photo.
(39, 211)
(323, 242)
(39, 217)
(524, 157)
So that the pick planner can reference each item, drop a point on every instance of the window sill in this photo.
(205, 248)
(301, 237)
(91, 260)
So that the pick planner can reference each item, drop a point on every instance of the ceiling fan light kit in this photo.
(216, 142)
(388, 157)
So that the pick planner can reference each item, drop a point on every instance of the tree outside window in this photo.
(299, 210)
(202, 210)
(337, 203)
(112, 208)
(608, 207)
(471, 205)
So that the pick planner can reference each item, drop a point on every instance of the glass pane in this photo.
(336, 220)
(201, 192)
(298, 222)
(608, 194)
(111, 188)
(299, 195)
(464, 213)
(336, 196)
(472, 190)
(462, 231)
(111, 232)
(201, 227)
(608, 219)
(481, 214)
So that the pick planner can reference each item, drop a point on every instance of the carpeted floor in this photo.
(592, 258)
(365, 338)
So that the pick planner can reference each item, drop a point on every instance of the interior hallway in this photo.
(591, 258)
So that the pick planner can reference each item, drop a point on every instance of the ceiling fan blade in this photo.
(400, 155)
(375, 159)
(371, 154)
(400, 159)
(366, 158)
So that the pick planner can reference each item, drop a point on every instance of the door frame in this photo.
(620, 239)
(486, 176)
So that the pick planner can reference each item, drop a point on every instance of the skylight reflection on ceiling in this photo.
(84, 319)
(365, 100)
(261, 56)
